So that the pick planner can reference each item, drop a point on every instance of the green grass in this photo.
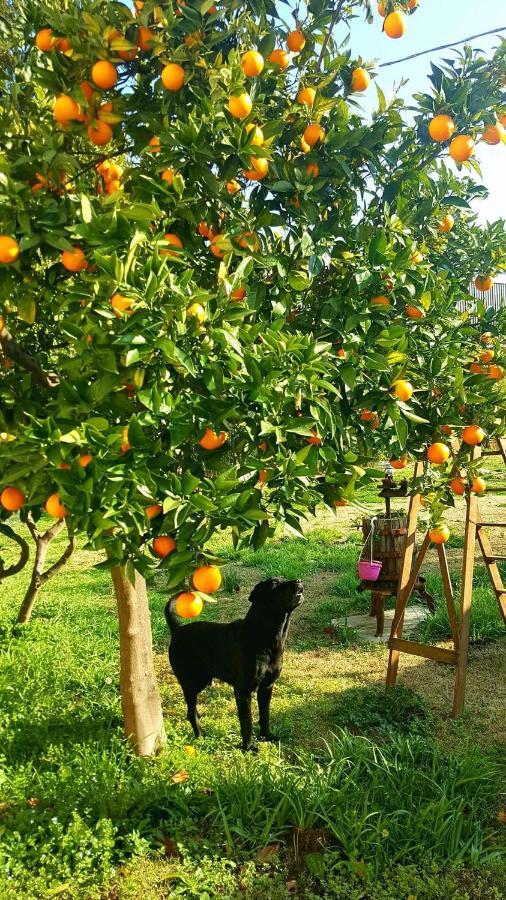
(361, 800)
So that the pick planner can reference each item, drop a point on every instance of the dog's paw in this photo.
(250, 748)
(270, 737)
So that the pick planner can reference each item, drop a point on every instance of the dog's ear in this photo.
(263, 589)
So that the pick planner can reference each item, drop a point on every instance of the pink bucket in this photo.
(369, 570)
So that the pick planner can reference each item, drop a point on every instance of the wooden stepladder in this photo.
(460, 627)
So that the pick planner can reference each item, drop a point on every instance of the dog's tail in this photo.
(172, 620)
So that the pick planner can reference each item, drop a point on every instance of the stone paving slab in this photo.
(365, 625)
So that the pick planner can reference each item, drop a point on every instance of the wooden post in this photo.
(466, 597)
(400, 606)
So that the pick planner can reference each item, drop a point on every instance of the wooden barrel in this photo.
(388, 547)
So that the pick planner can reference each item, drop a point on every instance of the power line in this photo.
(473, 37)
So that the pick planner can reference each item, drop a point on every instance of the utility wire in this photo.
(441, 47)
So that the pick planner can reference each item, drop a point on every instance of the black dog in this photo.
(247, 653)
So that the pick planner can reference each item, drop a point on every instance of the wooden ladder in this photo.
(460, 627)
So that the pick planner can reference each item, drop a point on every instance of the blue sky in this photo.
(439, 22)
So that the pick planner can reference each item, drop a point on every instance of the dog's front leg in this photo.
(243, 702)
(264, 695)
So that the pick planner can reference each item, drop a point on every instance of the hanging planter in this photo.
(369, 569)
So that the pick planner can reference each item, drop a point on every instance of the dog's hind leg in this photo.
(244, 712)
(264, 695)
(190, 695)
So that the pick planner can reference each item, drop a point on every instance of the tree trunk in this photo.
(39, 576)
(35, 584)
(140, 698)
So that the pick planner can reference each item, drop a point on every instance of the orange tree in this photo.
(220, 283)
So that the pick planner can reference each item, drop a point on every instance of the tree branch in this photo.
(55, 568)
(333, 21)
(24, 554)
(13, 351)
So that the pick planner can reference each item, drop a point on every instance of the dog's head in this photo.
(278, 596)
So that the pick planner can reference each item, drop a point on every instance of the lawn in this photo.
(367, 795)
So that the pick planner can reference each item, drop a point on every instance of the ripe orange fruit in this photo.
(479, 485)
(174, 241)
(382, 10)
(240, 107)
(197, 310)
(446, 224)
(163, 544)
(112, 187)
(206, 579)
(239, 293)
(458, 486)
(125, 443)
(380, 300)
(154, 145)
(85, 459)
(487, 356)
(313, 134)
(168, 176)
(9, 249)
(315, 438)
(441, 128)
(263, 475)
(304, 146)
(63, 44)
(395, 25)
(400, 463)
(44, 40)
(414, 312)
(204, 230)
(438, 453)
(220, 244)
(114, 172)
(493, 134)
(121, 305)
(173, 77)
(483, 283)
(279, 58)
(313, 169)
(87, 90)
(12, 499)
(416, 258)
(307, 97)
(486, 337)
(476, 369)
(258, 136)
(496, 372)
(360, 80)
(439, 534)
(367, 415)
(74, 260)
(153, 510)
(447, 429)
(252, 63)
(188, 605)
(212, 441)
(233, 187)
(296, 41)
(248, 240)
(403, 390)
(259, 169)
(65, 109)
(104, 74)
(461, 148)
(341, 502)
(55, 508)
(145, 38)
(100, 133)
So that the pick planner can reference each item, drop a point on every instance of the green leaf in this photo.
(86, 210)
(27, 309)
